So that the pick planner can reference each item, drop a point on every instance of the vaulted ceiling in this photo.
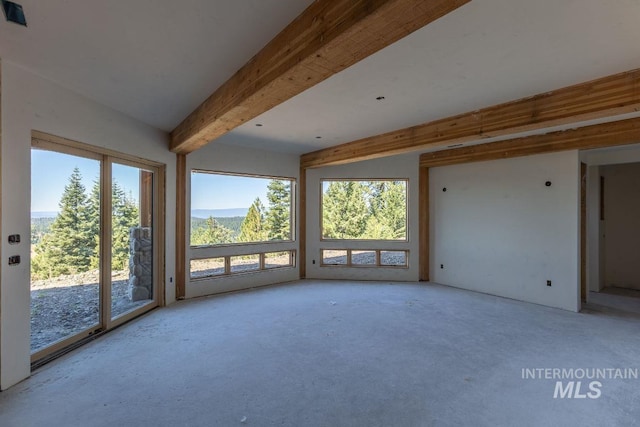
(157, 60)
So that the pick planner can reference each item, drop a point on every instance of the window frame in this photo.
(378, 258)
(292, 209)
(406, 207)
(107, 158)
(227, 265)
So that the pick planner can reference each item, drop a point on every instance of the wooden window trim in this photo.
(377, 264)
(406, 209)
(292, 210)
(107, 157)
(227, 265)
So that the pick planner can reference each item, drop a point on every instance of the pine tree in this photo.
(377, 230)
(211, 234)
(68, 248)
(253, 227)
(278, 217)
(388, 208)
(125, 215)
(375, 191)
(344, 210)
(93, 217)
(395, 213)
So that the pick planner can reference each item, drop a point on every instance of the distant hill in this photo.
(44, 214)
(39, 227)
(219, 213)
(196, 213)
(232, 223)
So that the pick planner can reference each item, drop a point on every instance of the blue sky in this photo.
(50, 172)
(215, 191)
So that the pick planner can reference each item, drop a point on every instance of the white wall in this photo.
(397, 167)
(227, 158)
(32, 103)
(498, 229)
(622, 225)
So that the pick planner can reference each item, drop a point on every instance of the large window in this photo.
(234, 209)
(364, 210)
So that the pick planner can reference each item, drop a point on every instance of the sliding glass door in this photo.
(65, 247)
(131, 239)
(94, 242)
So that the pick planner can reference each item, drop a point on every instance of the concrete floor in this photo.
(337, 354)
(617, 299)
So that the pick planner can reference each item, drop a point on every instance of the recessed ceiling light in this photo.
(380, 98)
(318, 137)
(13, 12)
(258, 124)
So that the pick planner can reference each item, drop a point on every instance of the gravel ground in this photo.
(212, 267)
(387, 258)
(66, 305)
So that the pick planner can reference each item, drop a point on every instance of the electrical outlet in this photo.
(548, 282)
(14, 239)
(313, 262)
(442, 266)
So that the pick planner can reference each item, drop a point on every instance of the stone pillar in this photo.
(140, 264)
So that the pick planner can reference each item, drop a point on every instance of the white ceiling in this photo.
(156, 60)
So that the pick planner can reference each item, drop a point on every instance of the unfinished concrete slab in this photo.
(333, 353)
(620, 299)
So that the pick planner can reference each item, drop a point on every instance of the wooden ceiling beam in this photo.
(329, 36)
(610, 134)
(604, 97)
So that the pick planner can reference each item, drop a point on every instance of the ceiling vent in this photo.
(13, 12)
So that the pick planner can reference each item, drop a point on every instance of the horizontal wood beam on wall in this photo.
(610, 134)
(604, 97)
(329, 36)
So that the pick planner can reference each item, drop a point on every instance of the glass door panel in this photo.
(132, 255)
(65, 248)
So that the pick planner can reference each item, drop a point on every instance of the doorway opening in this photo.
(612, 228)
(96, 241)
